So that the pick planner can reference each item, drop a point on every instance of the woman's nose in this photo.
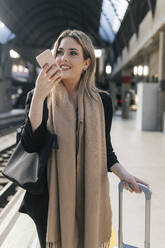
(64, 57)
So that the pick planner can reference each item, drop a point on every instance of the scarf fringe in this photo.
(53, 245)
(58, 245)
(106, 244)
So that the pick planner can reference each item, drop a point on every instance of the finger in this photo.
(142, 182)
(128, 187)
(145, 183)
(133, 186)
(55, 74)
(136, 187)
(45, 65)
(52, 67)
(43, 70)
(51, 72)
(55, 78)
(58, 78)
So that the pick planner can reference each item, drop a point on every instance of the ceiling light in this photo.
(108, 69)
(145, 70)
(140, 70)
(14, 54)
(98, 53)
(135, 70)
(2, 24)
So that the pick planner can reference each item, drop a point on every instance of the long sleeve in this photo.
(31, 140)
(108, 111)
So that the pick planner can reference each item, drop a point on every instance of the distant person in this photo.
(75, 209)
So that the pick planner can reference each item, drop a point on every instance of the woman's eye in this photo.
(73, 53)
(58, 52)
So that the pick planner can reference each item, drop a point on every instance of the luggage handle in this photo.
(147, 193)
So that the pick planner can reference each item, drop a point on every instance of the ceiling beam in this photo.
(152, 5)
(134, 26)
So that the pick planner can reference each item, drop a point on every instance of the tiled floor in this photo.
(143, 155)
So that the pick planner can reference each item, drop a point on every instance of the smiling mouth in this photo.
(65, 68)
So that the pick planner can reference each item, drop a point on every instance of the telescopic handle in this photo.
(147, 193)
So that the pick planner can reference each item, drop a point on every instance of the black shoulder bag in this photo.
(28, 170)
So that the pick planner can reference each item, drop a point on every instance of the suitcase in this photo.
(147, 193)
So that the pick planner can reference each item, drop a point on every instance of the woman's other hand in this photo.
(130, 179)
(125, 176)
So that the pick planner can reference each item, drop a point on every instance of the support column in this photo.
(112, 88)
(126, 81)
(5, 82)
(32, 73)
(161, 76)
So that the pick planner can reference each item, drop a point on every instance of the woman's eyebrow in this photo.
(60, 48)
(73, 49)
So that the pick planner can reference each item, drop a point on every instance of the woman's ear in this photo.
(87, 63)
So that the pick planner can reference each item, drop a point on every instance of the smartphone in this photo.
(45, 57)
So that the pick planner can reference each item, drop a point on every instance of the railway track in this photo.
(7, 129)
(10, 197)
(7, 188)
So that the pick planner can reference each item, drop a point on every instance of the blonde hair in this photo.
(87, 77)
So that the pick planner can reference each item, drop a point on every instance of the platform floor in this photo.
(142, 154)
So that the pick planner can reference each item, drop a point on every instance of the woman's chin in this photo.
(65, 76)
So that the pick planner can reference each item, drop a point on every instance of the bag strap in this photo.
(27, 109)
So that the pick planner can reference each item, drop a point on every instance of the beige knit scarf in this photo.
(79, 213)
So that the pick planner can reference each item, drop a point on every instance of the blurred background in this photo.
(129, 41)
(129, 46)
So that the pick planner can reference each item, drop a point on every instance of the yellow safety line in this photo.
(113, 239)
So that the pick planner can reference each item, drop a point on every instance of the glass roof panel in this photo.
(112, 14)
(5, 33)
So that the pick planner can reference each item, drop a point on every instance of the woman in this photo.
(76, 210)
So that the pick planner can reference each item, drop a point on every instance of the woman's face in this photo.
(69, 57)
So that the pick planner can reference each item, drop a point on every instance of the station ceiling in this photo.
(34, 25)
(37, 23)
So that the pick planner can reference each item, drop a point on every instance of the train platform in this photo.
(10, 117)
(142, 154)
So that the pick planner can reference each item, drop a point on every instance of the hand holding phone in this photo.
(45, 57)
(49, 75)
